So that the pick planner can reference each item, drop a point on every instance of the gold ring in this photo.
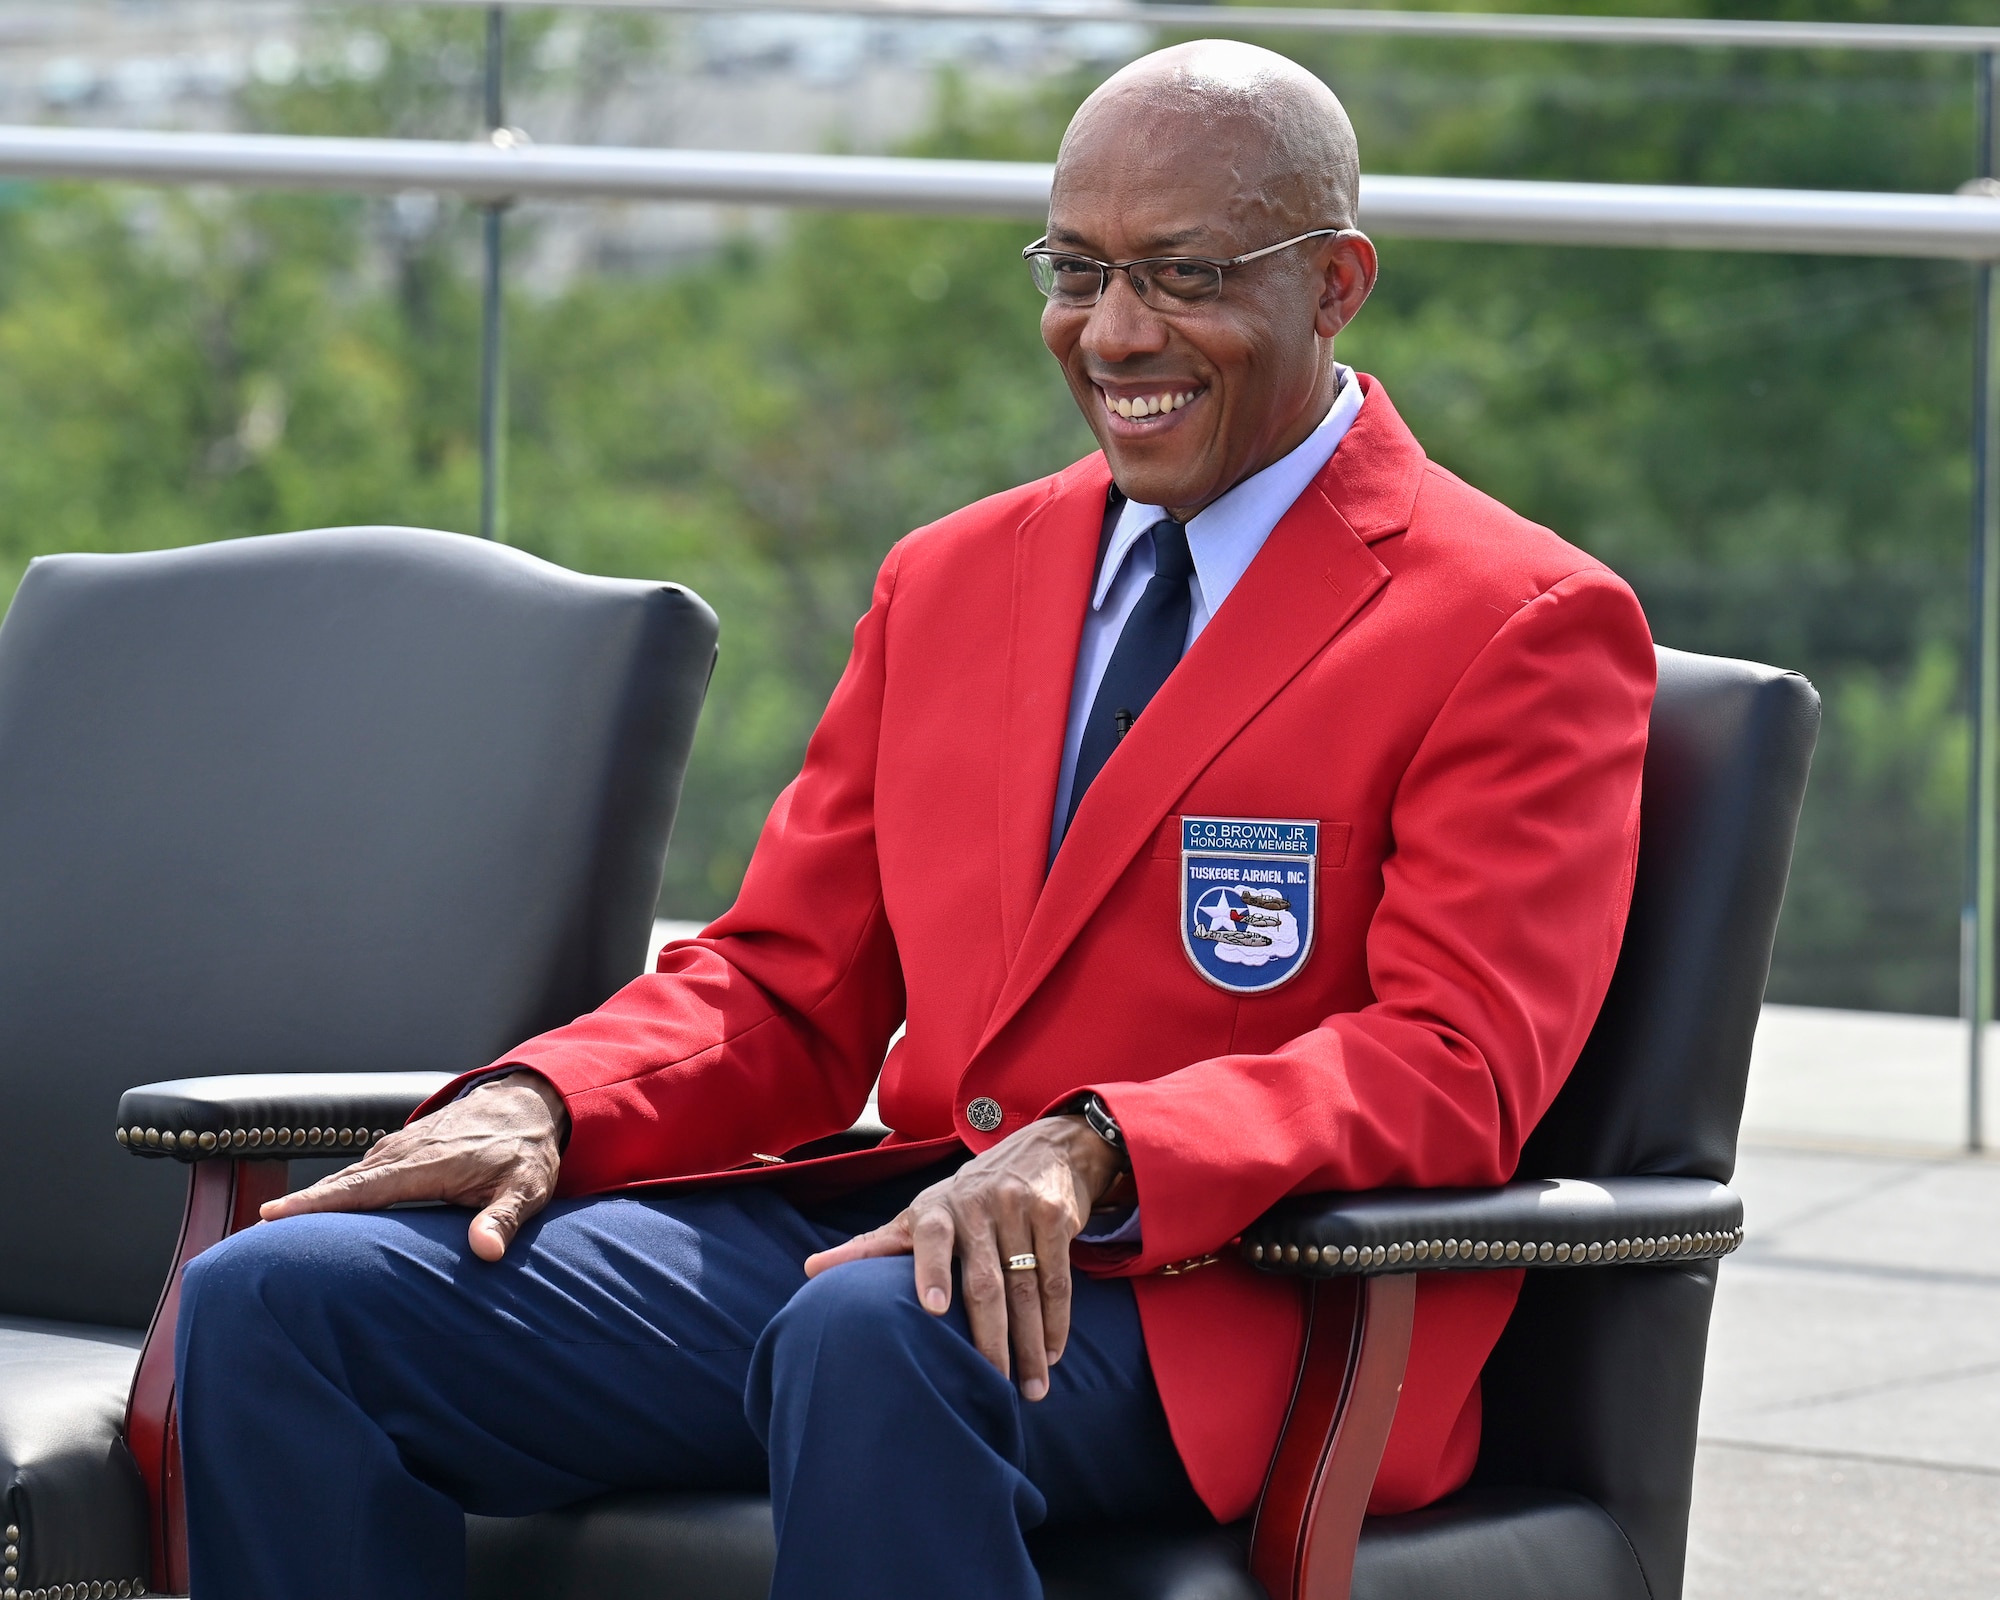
(1022, 1263)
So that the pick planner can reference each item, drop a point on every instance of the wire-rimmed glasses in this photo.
(1165, 283)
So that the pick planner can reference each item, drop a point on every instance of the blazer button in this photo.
(984, 1114)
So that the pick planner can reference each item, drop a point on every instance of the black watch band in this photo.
(1095, 1112)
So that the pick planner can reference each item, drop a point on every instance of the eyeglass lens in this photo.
(1079, 281)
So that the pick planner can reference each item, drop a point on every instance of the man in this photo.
(1248, 809)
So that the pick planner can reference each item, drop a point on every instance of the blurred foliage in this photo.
(1772, 449)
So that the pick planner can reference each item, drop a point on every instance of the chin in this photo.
(1150, 486)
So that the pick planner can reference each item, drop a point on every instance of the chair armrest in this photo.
(270, 1115)
(1559, 1222)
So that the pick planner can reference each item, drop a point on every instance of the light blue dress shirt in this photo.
(1224, 539)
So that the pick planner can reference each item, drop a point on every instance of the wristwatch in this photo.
(1093, 1110)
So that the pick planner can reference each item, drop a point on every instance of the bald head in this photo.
(1282, 134)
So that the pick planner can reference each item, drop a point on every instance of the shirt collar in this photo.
(1224, 537)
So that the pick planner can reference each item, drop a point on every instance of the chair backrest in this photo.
(355, 799)
(1659, 1087)
(1596, 1384)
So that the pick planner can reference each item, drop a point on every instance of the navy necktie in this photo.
(1148, 649)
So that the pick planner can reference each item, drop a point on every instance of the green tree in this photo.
(1772, 449)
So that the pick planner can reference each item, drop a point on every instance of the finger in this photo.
(933, 1238)
(1024, 1315)
(490, 1232)
(891, 1239)
(366, 1186)
(985, 1288)
(1052, 1279)
(523, 1192)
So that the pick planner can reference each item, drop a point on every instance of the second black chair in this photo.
(366, 800)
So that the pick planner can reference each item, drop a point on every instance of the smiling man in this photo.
(1248, 809)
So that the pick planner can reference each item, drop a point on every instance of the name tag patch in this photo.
(1248, 899)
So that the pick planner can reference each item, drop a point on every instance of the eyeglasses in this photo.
(1166, 283)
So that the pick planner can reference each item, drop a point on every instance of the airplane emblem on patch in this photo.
(1248, 899)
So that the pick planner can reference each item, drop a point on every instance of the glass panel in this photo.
(1772, 449)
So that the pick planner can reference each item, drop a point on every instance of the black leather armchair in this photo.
(1622, 1209)
(1585, 1472)
(369, 798)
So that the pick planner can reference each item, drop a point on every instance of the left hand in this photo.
(1030, 1194)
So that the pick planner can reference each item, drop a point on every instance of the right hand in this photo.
(497, 1150)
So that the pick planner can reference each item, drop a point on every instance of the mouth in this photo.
(1140, 411)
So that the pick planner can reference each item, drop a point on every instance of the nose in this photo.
(1121, 325)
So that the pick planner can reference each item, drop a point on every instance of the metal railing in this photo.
(1226, 20)
(1491, 210)
(504, 169)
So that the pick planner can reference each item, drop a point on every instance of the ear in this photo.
(1349, 267)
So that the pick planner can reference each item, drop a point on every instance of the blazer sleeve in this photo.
(1504, 899)
(770, 1028)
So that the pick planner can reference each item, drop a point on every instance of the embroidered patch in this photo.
(1248, 896)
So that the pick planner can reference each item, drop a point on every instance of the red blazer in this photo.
(1459, 698)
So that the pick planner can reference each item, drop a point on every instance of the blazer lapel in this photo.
(1313, 575)
(1055, 557)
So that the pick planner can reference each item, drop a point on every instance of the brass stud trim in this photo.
(1680, 1246)
(91, 1589)
(185, 1141)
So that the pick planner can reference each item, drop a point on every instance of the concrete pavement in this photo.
(1850, 1430)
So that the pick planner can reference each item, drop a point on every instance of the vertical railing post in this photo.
(1976, 921)
(492, 352)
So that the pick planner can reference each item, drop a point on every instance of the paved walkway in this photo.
(1850, 1433)
(1851, 1426)
(1861, 1078)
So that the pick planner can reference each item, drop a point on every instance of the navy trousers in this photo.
(351, 1385)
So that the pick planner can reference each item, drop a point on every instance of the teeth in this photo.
(1149, 405)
